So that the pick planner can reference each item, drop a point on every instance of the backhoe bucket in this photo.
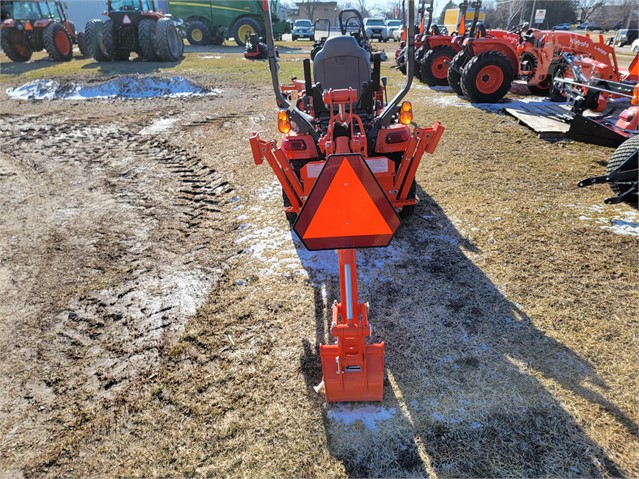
(350, 385)
(352, 369)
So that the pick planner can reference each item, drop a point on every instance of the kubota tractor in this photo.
(134, 26)
(346, 162)
(29, 26)
(488, 65)
(436, 50)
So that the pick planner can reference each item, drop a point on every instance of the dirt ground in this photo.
(159, 319)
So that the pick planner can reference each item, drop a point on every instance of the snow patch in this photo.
(158, 126)
(369, 416)
(626, 223)
(121, 87)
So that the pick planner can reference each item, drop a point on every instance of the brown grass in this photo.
(510, 326)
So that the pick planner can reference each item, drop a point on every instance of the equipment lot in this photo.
(158, 320)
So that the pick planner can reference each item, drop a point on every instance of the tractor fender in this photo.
(69, 27)
(487, 45)
(42, 23)
(153, 15)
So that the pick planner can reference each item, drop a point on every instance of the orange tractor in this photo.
(487, 66)
(29, 26)
(347, 163)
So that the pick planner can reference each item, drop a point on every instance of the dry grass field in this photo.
(160, 319)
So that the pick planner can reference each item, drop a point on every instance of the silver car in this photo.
(376, 28)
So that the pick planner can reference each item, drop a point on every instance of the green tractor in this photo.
(133, 26)
(29, 26)
(210, 22)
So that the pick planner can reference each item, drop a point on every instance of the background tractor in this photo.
(134, 26)
(29, 27)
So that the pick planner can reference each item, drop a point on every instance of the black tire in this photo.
(554, 93)
(314, 52)
(57, 42)
(217, 41)
(294, 38)
(92, 34)
(15, 46)
(107, 42)
(487, 77)
(243, 26)
(618, 157)
(409, 210)
(454, 71)
(433, 70)
(146, 39)
(312, 38)
(169, 46)
(419, 54)
(401, 61)
(539, 90)
(82, 43)
(198, 33)
(290, 217)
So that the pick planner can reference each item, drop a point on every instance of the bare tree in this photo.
(588, 7)
(509, 12)
(308, 6)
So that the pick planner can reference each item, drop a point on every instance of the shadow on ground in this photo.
(461, 360)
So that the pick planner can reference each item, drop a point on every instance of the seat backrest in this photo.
(342, 63)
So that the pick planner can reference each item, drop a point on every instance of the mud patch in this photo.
(127, 87)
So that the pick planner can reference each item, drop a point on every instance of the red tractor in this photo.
(347, 163)
(134, 26)
(29, 27)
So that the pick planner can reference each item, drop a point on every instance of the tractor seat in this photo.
(342, 63)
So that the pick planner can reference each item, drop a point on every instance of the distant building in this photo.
(327, 10)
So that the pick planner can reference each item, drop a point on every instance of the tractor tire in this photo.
(217, 41)
(401, 61)
(434, 69)
(539, 90)
(244, 26)
(409, 210)
(57, 42)
(82, 44)
(453, 75)
(198, 33)
(92, 37)
(554, 93)
(314, 52)
(169, 46)
(487, 77)
(15, 46)
(419, 54)
(618, 157)
(107, 41)
(146, 39)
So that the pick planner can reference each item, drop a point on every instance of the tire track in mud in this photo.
(117, 239)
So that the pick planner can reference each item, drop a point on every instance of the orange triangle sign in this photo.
(346, 208)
